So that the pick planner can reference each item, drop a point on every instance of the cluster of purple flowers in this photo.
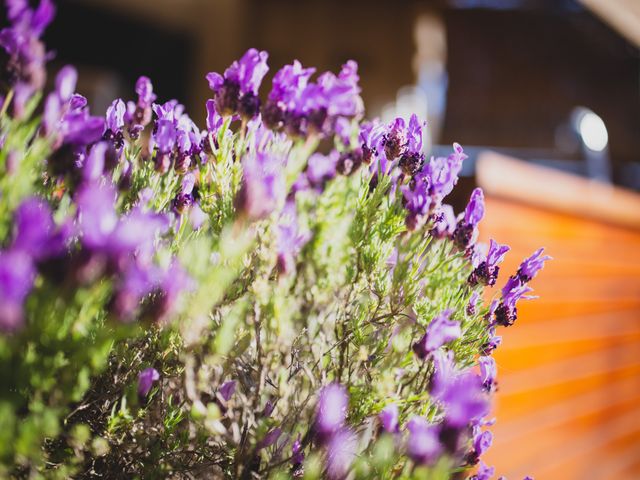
(300, 107)
(91, 161)
(486, 267)
(430, 183)
(458, 434)
(26, 56)
(516, 288)
(331, 432)
(36, 242)
(85, 150)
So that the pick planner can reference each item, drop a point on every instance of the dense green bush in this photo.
(234, 303)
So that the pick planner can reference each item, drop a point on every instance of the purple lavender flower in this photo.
(36, 234)
(443, 173)
(320, 104)
(494, 340)
(321, 169)
(227, 389)
(144, 89)
(184, 199)
(297, 453)
(115, 123)
(444, 222)
(269, 406)
(486, 272)
(25, 70)
(17, 274)
(197, 217)
(58, 103)
(288, 84)
(103, 232)
(473, 303)
(134, 284)
(463, 398)
(440, 331)
(349, 161)
(423, 444)
(341, 452)
(290, 239)
(94, 163)
(174, 282)
(262, 187)
(389, 418)
(482, 441)
(146, 379)
(484, 473)
(395, 139)
(77, 102)
(137, 232)
(331, 410)
(444, 371)
(66, 82)
(412, 158)
(372, 144)
(530, 267)
(97, 216)
(78, 128)
(465, 231)
(138, 115)
(417, 202)
(488, 371)
(65, 118)
(506, 312)
(214, 119)
(475, 208)
(269, 439)
(237, 91)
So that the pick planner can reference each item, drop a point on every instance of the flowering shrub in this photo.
(283, 294)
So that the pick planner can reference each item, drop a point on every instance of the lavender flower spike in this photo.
(463, 397)
(332, 409)
(440, 331)
(146, 379)
(484, 473)
(488, 371)
(465, 231)
(262, 187)
(341, 452)
(17, 274)
(486, 272)
(412, 159)
(475, 208)
(389, 418)
(227, 389)
(237, 91)
(530, 267)
(423, 445)
(514, 290)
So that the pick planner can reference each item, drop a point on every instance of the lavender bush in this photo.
(283, 294)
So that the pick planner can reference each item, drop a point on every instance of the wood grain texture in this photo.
(547, 188)
(568, 401)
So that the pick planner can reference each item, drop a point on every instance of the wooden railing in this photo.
(568, 404)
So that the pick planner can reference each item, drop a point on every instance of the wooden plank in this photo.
(511, 406)
(590, 326)
(545, 450)
(547, 188)
(622, 15)
(569, 370)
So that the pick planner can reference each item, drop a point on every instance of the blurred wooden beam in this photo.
(552, 189)
(622, 15)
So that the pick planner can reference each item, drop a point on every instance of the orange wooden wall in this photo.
(568, 404)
